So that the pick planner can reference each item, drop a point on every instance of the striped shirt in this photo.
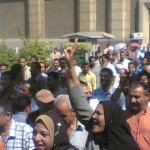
(20, 137)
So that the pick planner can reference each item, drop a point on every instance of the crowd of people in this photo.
(58, 105)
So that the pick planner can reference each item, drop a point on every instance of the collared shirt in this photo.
(123, 64)
(141, 130)
(79, 136)
(20, 117)
(20, 137)
(90, 79)
(106, 96)
(27, 73)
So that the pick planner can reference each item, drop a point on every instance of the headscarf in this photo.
(116, 134)
(57, 130)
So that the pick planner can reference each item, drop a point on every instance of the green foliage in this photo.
(7, 56)
(85, 47)
(41, 49)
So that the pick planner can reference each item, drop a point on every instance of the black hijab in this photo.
(116, 135)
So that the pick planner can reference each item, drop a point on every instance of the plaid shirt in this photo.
(20, 137)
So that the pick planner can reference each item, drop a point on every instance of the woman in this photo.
(50, 133)
(110, 129)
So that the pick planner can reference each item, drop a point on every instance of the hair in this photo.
(21, 102)
(15, 70)
(37, 64)
(22, 57)
(108, 70)
(7, 107)
(85, 63)
(144, 73)
(55, 75)
(123, 53)
(91, 58)
(35, 57)
(3, 64)
(62, 58)
(125, 70)
(56, 59)
(139, 84)
(7, 73)
(131, 63)
(83, 83)
(106, 56)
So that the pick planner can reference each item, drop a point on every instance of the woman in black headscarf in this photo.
(50, 133)
(110, 129)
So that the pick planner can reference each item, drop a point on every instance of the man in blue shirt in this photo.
(105, 92)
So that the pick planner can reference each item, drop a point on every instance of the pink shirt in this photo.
(141, 131)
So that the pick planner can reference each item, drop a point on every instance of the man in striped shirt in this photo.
(14, 135)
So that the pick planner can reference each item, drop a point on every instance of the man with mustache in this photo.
(138, 113)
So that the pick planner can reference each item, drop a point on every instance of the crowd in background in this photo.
(56, 104)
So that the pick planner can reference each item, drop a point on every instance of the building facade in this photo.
(51, 19)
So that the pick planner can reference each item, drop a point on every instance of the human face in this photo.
(98, 120)
(25, 89)
(122, 73)
(51, 82)
(22, 62)
(92, 61)
(66, 114)
(144, 79)
(87, 92)
(56, 64)
(41, 137)
(104, 60)
(62, 64)
(33, 60)
(147, 68)
(131, 68)
(123, 56)
(137, 99)
(42, 67)
(4, 118)
(63, 73)
(47, 62)
(86, 68)
(105, 78)
(6, 81)
(3, 69)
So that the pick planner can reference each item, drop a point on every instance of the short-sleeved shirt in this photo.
(106, 96)
(20, 137)
(89, 78)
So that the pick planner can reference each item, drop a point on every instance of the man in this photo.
(26, 90)
(95, 68)
(123, 63)
(45, 101)
(43, 70)
(15, 135)
(37, 80)
(62, 62)
(76, 131)
(77, 68)
(26, 69)
(139, 114)
(34, 59)
(93, 102)
(123, 72)
(105, 92)
(55, 54)
(54, 85)
(48, 67)
(63, 78)
(56, 65)
(22, 107)
(87, 76)
(3, 67)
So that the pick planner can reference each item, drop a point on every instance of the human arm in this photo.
(77, 96)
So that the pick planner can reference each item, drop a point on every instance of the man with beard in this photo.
(139, 114)
(106, 91)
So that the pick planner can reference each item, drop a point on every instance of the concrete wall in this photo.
(59, 18)
(12, 16)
